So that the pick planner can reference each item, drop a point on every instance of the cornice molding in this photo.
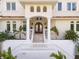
(23, 17)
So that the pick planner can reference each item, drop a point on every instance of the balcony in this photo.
(23, 2)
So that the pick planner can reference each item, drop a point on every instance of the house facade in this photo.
(38, 17)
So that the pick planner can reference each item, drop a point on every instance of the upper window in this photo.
(71, 6)
(11, 6)
(68, 6)
(59, 6)
(8, 6)
(32, 9)
(38, 9)
(44, 9)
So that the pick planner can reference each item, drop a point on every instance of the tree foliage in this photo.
(5, 36)
(71, 35)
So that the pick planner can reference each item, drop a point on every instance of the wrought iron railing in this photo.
(31, 34)
(45, 34)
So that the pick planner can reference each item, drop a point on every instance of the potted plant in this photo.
(55, 30)
(58, 55)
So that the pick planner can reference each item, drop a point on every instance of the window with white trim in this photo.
(31, 9)
(38, 9)
(44, 9)
(24, 25)
(14, 26)
(8, 6)
(11, 6)
(59, 6)
(72, 25)
(8, 26)
(71, 6)
(77, 26)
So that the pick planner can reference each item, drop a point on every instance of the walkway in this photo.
(38, 38)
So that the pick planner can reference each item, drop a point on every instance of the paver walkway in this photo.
(38, 38)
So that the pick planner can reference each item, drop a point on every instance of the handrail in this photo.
(45, 34)
(31, 34)
(44, 48)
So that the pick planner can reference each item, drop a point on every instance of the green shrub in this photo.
(5, 36)
(7, 55)
(71, 35)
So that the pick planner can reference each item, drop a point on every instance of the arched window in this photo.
(44, 9)
(38, 9)
(14, 26)
(24, 25)
(72, 25)
(77, 26)
(8, 25)
(32, 9)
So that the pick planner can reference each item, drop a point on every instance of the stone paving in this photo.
(38, 38)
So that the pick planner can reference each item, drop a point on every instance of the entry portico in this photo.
(48, 15)
(28, 28)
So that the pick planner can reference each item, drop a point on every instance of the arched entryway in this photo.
(38, 27)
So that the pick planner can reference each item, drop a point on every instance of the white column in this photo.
(49, 29)
(27, 30)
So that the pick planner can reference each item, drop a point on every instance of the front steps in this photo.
(22, 49)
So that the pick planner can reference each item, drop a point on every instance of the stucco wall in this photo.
(3, 25)
(63, 25)
(20, 11)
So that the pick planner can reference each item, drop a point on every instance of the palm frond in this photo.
(54, 55)
(58, 55)
(64, 57)
(55, 30)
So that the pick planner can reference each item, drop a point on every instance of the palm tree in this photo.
(4, 36)
(58, 55)
(7, 55)
(20, 32)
